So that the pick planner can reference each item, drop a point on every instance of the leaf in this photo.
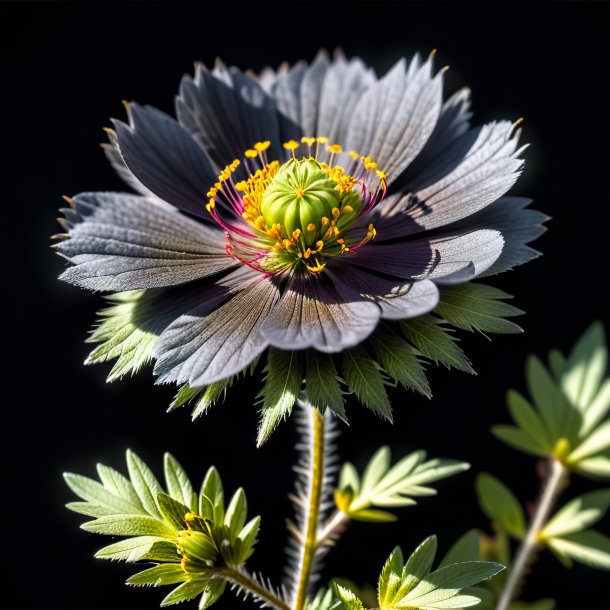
(578, 514)
(597, 409)
(248, 538)
(187, 590)
(282, 385)
(212, 593)
(210, 396)
(500, 505)
(435, 342)
(119, 485)
(172, 511)
(557, 364)
(372, 515)
(163, 574)
(447, 582)
(528, 421)
(586, 366)
(178, 484)
(514, 437)
(132, 549)
(146, 485)
(348, 477)
(465, 548)
(390, 578)
(589, 547)
(322, 383)
(596, 442)
(348, 599)
(417, 568)
(399, 361)
(477, 307)
(364, 379)
(213, 490)
(235, 517)
(594, 467)
(377, 466)
(129, 525)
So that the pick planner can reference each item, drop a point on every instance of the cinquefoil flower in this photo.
(314, 214)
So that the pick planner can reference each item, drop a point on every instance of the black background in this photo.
(65, 69)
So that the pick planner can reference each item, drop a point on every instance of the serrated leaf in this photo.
(119, 485)
(187, 590)
(132, 549)
(500, 505)
(282, 386)
(89, 509)
(348, 598)
(390, 578)
(210, 396)
(322, 383)
(172, 511)
(479, 307)
(465, 548)
(364, 379)
(589, 547)
(517, 439)
(399, 361)
(164, 550)
(163, 574)
(129, 525)
(145, 483)
(212, 593)
(184, 395)
(586, 366)
(435, 342)
(179, 486)
(578, 514)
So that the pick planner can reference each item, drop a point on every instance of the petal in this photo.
(451, 258)
(315, 313)
(395, 117)
(478, 168)
(164, 157)
(226, 112)
(126, 242)
(207, 345)
(518, 224)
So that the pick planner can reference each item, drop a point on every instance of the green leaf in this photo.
(187, 590)
(597, 409)
(435, 342)
(465, 548)
(236, 514)
(377, 466)
(416, 569)
(364, 379)
(594, 467)
(371, 515)
(172, 511)
(210, 396)
(586, 366)
(212, 593)
(178, 484)
(164, 550)
(349, 478)
(446, 583)
(390, 578)
(596, 442)
(145, 483)
(399, 361)
(517, 439)
(500, 505)
(283, 382)
(197, 545)
(578, 514)
(212, 489)
(118, 485)
(477, 307)
(322, 383)
(589, 547)
(132, 549)
(557, 364)
(128, 331)
(528, 421)
(248, 538)
(163, 574)
(129, 525)
(348, 599)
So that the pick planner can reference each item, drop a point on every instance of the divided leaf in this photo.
(499, 503)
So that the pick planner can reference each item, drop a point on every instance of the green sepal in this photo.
(162, 574)
(196, 545)
(187, 590)
(212, 593)
(322, 387)
(348, 598)
(172, 511)
(479, 307)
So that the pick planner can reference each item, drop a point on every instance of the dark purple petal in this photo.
(315, 313)
(395, 116)
(126, 242)
(164, 158)
(226, 112)
(207, 345)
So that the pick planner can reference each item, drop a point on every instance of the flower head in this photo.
(315, 215)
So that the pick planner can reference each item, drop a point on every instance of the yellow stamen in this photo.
(311, 227)
(262, 146)
(251, 153)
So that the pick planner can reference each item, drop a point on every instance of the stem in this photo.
(335, 523)
(251, 586)
(552, 488)
(312, 516)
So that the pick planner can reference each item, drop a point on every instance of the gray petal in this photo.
(127, 242)
(207, 345)
(450, 258)
(226, 112)
(395, 116)
(518, 224)
(165, 158)
(314, 313)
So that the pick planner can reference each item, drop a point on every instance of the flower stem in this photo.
(245, 582)
(312, 516)
(334, 524)
(552, 487)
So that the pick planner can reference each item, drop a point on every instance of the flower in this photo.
(315, 214)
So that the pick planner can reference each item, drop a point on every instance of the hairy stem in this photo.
(332, 527)
(312, 514)
(251, 586)
(552, 487)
